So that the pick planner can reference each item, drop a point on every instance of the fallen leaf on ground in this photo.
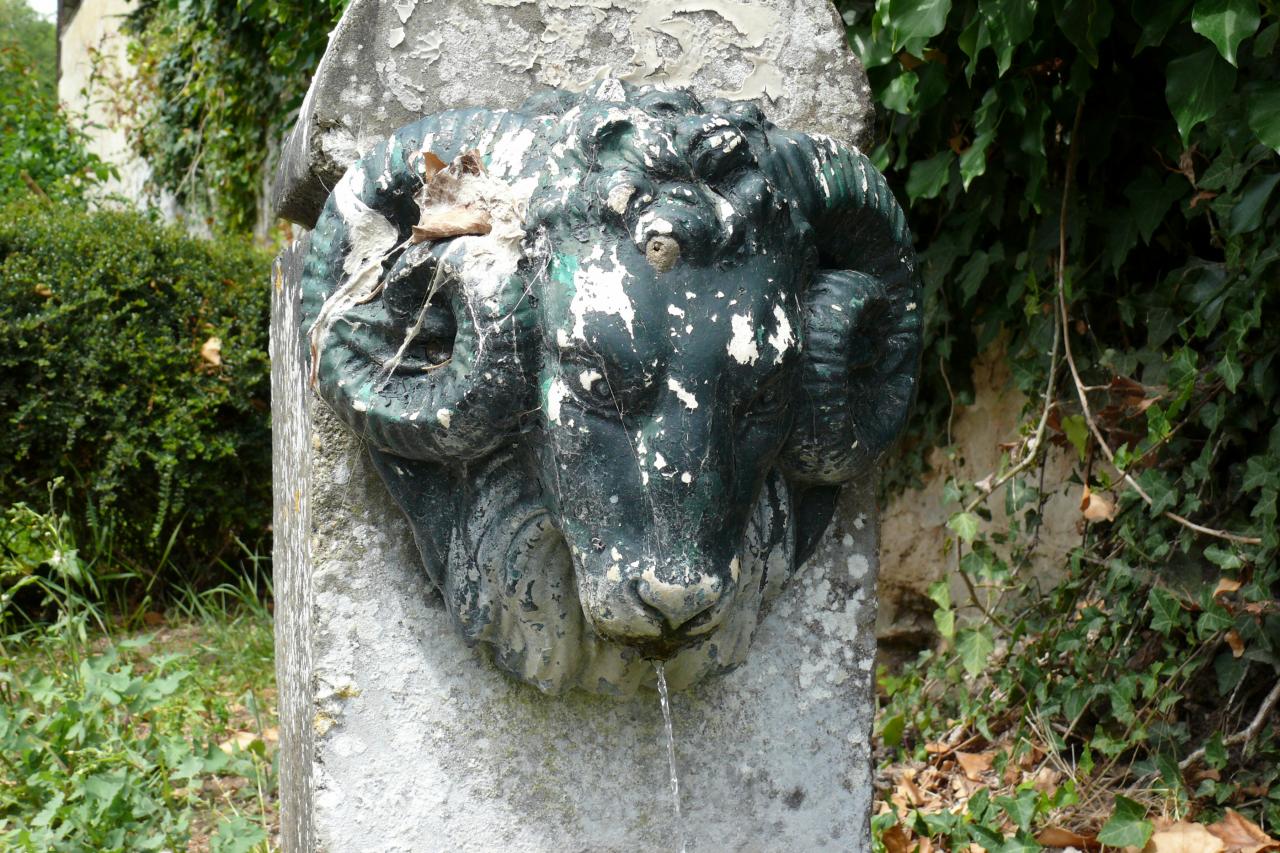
(211, 352)
(896, 840)
(1241, 835)
(1183, 838)
(1056, 836)
(456, 222)
(974, 764)
(239, 740)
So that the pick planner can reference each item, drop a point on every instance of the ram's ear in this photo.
(415, 359)
(863, 314)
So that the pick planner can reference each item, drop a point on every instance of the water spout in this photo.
(665, 699)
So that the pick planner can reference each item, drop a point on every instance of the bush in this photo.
(133, 364)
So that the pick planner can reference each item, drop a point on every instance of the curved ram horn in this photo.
(416, 355)
(862, 312)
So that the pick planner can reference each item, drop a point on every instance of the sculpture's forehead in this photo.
(608, 305)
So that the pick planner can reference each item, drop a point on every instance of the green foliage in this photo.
(40, 151)
(114, 746)
(221, 83)
(111, 377)
(1099, 179)
(23, 30)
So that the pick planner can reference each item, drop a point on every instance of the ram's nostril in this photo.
(679, 604)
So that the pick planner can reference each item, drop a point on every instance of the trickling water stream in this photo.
(665, 699)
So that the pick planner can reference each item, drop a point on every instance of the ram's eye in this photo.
(769, 400)
(720, 152)
(592, 388)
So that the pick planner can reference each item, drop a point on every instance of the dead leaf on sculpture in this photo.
(1225, 585)
(431, 164)
(211, 352)
(1241, 835)
(455, 222)
(1096, 507)
(471, 163)
(974, 764)
(1183, 838)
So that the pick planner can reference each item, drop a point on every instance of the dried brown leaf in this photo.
(456, 222)
(974, 764)
(239, 740)
(211, 352)
(1236, 642)
(471, 163)
(1183, 837)
(896, 839)
(1241, 835)
(1097, 507)
(1056, 836)
(431, 164)
(1225, 585)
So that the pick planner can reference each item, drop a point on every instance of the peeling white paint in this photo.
(556, 392)
(600, 289)
(782, 339)
(742, 346)
(690, 401)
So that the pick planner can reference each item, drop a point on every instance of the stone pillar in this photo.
(394, 735)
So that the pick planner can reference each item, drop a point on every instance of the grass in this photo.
(154, 739)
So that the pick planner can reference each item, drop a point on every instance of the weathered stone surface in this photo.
(394, 735)
(397, 737)
(389, 63)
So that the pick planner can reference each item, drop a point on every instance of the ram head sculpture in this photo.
(614, 353)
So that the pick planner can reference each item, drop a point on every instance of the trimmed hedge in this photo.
(112, 377)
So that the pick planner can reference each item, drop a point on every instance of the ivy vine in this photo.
(1094, 189)
(220, 83)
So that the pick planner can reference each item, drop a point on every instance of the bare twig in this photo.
(1080, 387)
(1244, 735)
(35, 188)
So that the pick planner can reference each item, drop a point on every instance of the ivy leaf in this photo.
(1196, 86)
(915, 19)
(1127, 827)
(1077, 432)
(1246, 215)
(965, 525)
(945, 620)
(892, 728)
(1010, 23)
(1226, 23)
(1264, 117)
(1151, 198)
(1086, 23)
(975, 647)
(1231, 370)
(1166, 612)
(1157, 18)
(928, 177)
(900, 94)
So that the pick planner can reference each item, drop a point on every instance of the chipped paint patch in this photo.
(601, 289)
(742, 346)
(690, 401)
(783, 338)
